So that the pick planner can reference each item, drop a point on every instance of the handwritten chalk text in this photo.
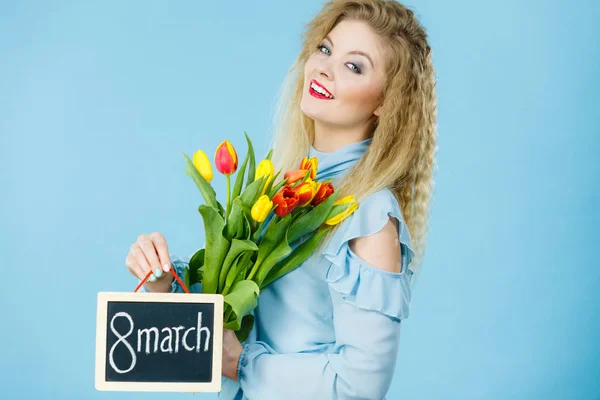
(171, 338)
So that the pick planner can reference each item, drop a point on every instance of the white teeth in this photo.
(319, 89)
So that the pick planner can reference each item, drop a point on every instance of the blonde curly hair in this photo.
(401, 156)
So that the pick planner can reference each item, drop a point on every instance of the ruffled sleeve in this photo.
(360, 283)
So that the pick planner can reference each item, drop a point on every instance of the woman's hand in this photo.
(232, 350)
(151, 252)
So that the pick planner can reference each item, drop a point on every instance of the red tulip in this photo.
(226, 159)
(286, 200)
(324, 190)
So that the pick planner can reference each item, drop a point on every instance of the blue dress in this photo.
(330, 329)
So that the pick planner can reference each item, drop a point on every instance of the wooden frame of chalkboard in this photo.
(122, 364)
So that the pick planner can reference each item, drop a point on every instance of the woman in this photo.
(362, 101)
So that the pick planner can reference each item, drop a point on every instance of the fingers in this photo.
(163, 251)
(134, 267)
(140, 258)
(151, 255)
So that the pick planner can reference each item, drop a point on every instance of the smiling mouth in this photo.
(319, 91)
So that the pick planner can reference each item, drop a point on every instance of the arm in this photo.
(362, 367)
(367, 335)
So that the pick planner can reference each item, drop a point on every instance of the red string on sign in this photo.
(172, 272)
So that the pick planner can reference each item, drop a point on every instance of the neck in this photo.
(329, 138)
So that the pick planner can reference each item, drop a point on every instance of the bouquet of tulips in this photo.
(264, 231)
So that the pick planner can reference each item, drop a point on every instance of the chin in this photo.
(312, 110)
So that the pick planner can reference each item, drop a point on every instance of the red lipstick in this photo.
(318, 95)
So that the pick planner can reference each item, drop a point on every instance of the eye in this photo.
(323, 49)
(355, 68)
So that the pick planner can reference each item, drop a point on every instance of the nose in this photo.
(324, 69)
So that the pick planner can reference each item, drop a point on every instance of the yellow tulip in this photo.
(306, 192)
(308, 163)
(203, 166)
(265, 168)
(352, 206)
(261, 208)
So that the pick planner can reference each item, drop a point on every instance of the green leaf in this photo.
(252, 167)
(196, 267)
(208, 192)
(252, 192)
(312, 220)
(221, 209)
(200, 274)
(197, 259)
(273, 235)
(249, 223)
(238, 247)
(281, 251)
(245, 208)
(338, 209)
(186, 276)
(246, 328)
(216, 248)
(276, 188)
(273, 241)
(238, 271)
(269, 155)
(238, 224)
(296, 258)
(242, 299)
(235, 223)
(269, 187)
(261, 226)
(239, 179)
(299, 212)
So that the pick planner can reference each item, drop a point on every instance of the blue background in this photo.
(99, 99)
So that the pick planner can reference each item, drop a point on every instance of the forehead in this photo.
(349, 35)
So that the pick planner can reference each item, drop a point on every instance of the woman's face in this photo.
(343, 78)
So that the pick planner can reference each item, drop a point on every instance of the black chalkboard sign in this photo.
(159, 342)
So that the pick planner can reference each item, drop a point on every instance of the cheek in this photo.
(309, 66)
(361, 95)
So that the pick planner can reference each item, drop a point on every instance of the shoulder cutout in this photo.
(382, 249)
(370, 256)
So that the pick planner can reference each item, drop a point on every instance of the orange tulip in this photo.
(305, 191)
(307, 163)
(286, 200)
(294, 176)
(323, 191)
(226, 159)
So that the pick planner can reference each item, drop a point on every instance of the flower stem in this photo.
(254, 269)
(228, 178)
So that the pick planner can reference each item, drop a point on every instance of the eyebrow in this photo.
(360, 53)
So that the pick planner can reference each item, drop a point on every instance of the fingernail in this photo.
(158, 272)
(152, 278)
(167, 267)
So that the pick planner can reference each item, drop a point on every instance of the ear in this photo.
(377, 110)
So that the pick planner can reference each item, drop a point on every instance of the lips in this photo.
(319, 91)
